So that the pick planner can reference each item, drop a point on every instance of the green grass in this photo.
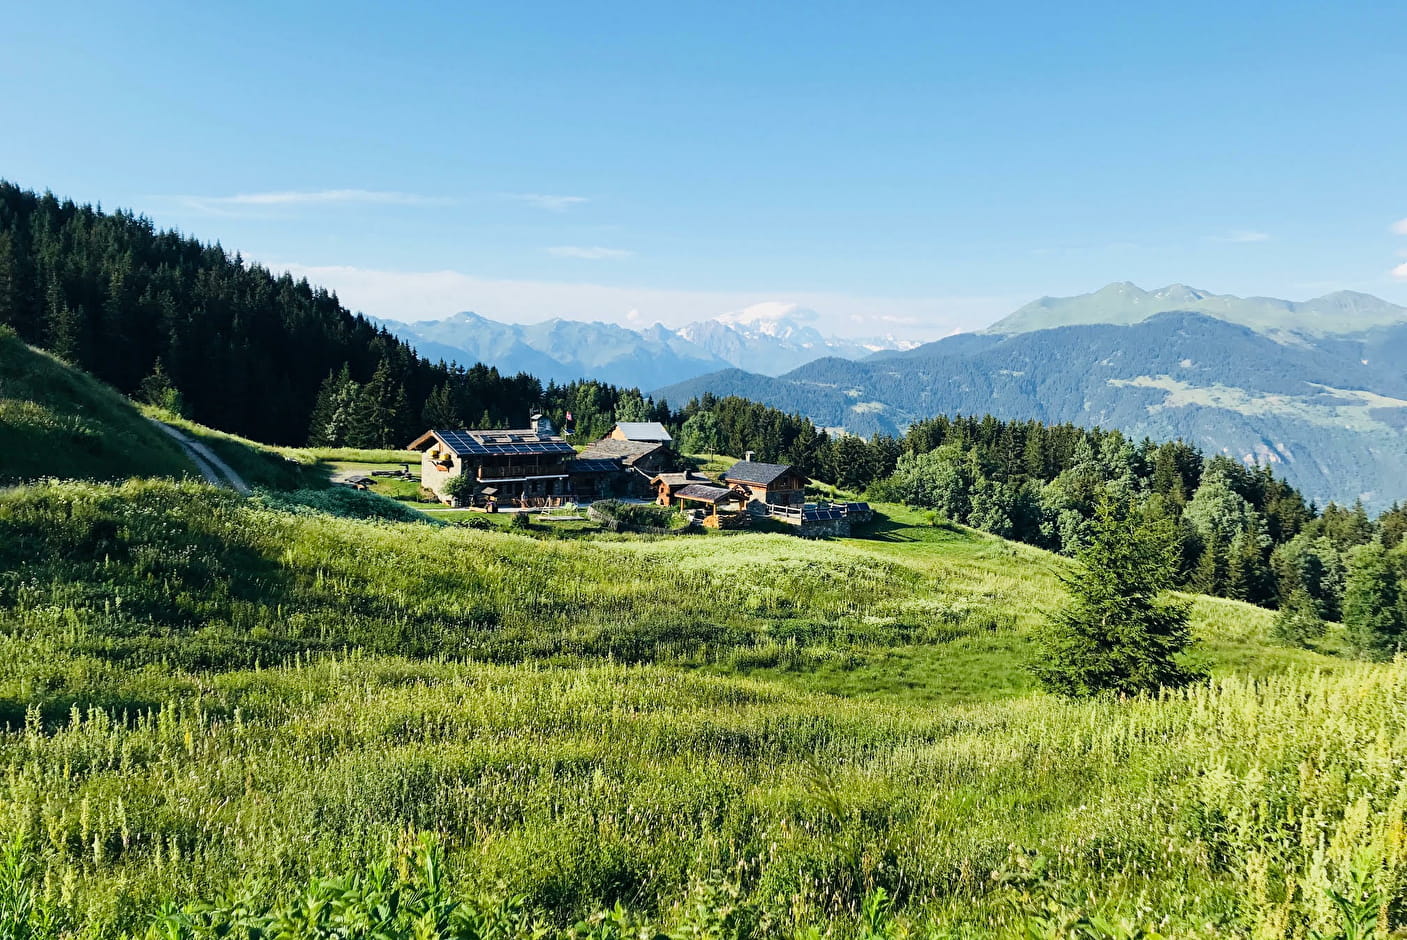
(58, 422)
(214, 698)
(259, 464)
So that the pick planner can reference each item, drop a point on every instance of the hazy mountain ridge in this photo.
(1329, 410)
(1342, 312)
(769, 339)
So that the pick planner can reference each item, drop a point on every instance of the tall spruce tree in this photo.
(1118, 633)
(332, 411)
(1372, 614)
(374, 422)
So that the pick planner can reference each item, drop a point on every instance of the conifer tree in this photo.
(373, 421)
(1118, 633)
(158, 389)
(439, 410)
(1372, 615)
(1248, 577)
(1209, 576)
(332, 412)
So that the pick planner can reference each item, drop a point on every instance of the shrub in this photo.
(459, 488)
(639, 515)
(1298, 621)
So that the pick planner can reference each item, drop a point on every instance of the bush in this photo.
(639, 515)
(1298, 621)
(460, 488)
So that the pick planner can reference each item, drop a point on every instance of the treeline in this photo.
(1241, 531)
(165, 317)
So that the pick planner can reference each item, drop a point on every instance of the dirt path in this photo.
(211, 467)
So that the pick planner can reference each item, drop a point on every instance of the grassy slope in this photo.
(655, 716)
(792, 724)
(56, 421)
(282, 468)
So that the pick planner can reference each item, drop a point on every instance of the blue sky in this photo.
(907, 168)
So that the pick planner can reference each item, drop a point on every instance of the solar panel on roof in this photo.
(471, 444)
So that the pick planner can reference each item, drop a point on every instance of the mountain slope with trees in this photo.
(1330, 414)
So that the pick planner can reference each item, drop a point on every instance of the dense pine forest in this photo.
(232, 345)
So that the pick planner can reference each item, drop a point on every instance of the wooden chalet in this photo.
(635, 463)
(518, 467)
(767, 484)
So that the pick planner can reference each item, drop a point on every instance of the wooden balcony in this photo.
(512, 471)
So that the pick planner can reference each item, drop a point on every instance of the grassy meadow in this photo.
(216, 704)
(57, 421)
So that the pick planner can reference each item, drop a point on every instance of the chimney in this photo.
(542, 424)
(749, 456)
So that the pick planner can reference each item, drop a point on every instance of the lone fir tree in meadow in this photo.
(1118, 633)
(1372, 616)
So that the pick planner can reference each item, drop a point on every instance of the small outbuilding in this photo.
(723, 506)
(668, 485)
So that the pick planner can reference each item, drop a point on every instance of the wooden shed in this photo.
(668, 485)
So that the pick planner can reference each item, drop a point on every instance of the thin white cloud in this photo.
(546, 201)
(321, 197)
(1241, 237)
(590, 253)
(429, 295)
(1400, 272)
(1400, 226)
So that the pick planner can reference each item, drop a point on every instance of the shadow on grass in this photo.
(884, 529)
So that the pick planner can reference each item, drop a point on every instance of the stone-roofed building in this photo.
(646, 456)
(648, 431)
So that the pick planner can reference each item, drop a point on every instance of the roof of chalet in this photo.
(703, 493)
(644, 431)
(682, 478)
(513, 442)
(593, 466)
(750, 471)
(612, 449)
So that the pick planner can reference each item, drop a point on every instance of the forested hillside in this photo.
(1329, 413)
(1243, 531)
(246, 350)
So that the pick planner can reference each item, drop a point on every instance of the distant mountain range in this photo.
(1318, 388)
(1124, 303)
(768, 339)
